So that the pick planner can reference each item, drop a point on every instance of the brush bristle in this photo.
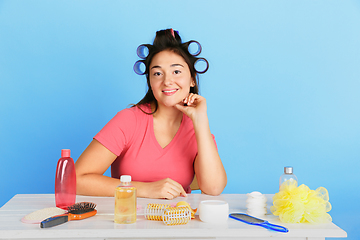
(81, 207)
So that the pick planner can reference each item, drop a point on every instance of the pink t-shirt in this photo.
(130, 136)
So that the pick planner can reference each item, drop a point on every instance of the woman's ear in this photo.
(192, 82)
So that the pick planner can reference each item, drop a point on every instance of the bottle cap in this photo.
(288, 170)
(65, 153)
(125, 178)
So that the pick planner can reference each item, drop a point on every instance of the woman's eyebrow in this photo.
(176, 65)
(172, 65)
(155, 67)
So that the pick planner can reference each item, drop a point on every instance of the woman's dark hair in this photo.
(167, 40)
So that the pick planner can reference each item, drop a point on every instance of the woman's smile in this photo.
(169, 92)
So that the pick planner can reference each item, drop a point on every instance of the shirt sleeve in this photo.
(118, 132)
(215, 141)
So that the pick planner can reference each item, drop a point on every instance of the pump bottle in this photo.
(65, 181)
(125, 201)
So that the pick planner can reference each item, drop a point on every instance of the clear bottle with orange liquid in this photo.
(125, 201)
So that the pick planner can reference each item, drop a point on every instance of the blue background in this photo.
(282, 88)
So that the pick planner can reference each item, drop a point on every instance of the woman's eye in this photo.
(177, 71)
(157, 74)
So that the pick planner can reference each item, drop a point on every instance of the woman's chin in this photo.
(169, 104)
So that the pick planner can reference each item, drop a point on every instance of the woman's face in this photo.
(170, 78)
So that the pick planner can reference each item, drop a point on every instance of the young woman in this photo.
(164, 139)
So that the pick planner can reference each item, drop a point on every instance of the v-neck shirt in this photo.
(130, 135)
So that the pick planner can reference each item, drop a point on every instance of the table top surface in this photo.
(103, 226)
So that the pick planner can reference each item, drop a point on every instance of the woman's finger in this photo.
(190, 99)
(175, 189)
(193, 98)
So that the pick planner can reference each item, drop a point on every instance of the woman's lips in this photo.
(169, 92)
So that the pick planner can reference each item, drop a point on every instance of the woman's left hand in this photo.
(195, 106)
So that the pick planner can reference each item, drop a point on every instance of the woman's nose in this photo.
(168, 79)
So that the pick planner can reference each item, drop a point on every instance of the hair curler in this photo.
(169, 215)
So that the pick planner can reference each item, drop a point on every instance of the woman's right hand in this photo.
(165, 188)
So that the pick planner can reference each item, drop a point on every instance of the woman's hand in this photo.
(165, 188)
(196, 106)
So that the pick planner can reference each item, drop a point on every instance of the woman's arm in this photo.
(93, 163)
(208, 167)
(90, 167)
(210, 172)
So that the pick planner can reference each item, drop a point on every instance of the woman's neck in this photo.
(170, 115)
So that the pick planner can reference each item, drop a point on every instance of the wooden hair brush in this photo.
(78, 211)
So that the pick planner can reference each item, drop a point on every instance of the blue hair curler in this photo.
(139, 67)
(142, 51)
(201, 63)
(192, 49)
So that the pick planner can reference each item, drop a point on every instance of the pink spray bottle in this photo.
(65, 181)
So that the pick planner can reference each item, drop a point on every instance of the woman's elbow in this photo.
(213, 189)
(82, 183)
(79, 185)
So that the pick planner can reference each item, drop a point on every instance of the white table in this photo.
(102, 226)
